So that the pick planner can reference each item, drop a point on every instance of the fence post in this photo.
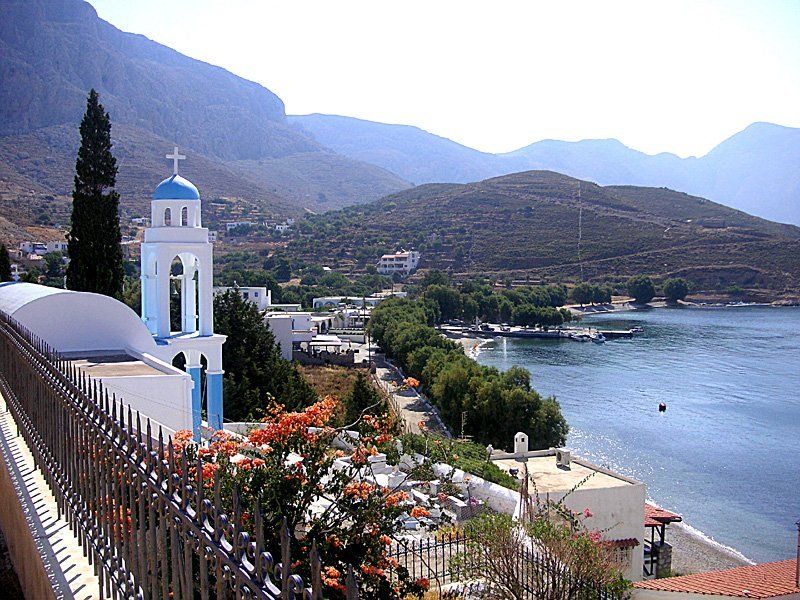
(316, 573)
(351, 586)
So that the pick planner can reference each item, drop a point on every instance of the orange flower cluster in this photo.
(224, 443)
(359, 489)
(396, 498)
(332, 578)
(418, 512)
(208, 475)
(280, 426)
(411, 382)
(181, 439)
(423, 583)
(372, 570)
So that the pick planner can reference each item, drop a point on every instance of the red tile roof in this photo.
(623, 543)
(760, 581)
(656, 517)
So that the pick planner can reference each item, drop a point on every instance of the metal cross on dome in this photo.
(175, 158)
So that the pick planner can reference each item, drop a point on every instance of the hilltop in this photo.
(234, 131)
(754, 170)
(525, 225)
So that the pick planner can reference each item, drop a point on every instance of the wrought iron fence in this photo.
(149, 528)
(432, 559)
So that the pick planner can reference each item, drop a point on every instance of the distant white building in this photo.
(260, 296)
(281, 227)
(328, 302)
(292, 329)
(140, 221)
(212, 236)
(57, 247)
(37, 248)
(234, 224)
(403, 262)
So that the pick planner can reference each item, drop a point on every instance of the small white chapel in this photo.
(134, 356)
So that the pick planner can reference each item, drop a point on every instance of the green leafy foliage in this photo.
(94, 237)
(641, 288)
(497, 405)
(675, 289)
(467, 456)
(255, 373)
(5, 264)
(362, 399)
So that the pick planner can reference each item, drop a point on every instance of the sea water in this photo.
(726, 453)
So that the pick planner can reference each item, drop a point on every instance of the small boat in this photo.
(581, 336)
(597, 337)
(637, 330)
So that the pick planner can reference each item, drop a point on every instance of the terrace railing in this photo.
(149, 528)
(432, 559)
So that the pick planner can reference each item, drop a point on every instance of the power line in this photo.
(580, 228)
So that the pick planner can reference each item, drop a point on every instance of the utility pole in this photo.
(580, 228)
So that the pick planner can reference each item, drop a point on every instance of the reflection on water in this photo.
(726, 453)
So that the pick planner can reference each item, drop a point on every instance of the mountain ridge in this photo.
(760, 179)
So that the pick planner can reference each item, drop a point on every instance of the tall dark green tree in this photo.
(94, 237)
(5, 264)
(255, 374)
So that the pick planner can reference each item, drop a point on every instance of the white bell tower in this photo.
(176, 232)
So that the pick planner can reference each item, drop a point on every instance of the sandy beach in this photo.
(692, 552)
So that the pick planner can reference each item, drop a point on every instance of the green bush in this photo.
(641, 288)
(675, 289)
(497, 405)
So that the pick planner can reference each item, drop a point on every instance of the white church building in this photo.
(133, 356)
(177, 234)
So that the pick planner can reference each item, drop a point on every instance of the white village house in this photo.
(402, 262)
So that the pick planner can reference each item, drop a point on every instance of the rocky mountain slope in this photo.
(235, 131)
(754, 170)
(527, 225)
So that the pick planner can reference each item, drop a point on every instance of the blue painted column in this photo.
(214, 395)
(197, 394)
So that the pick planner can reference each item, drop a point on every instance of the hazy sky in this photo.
(496, 75)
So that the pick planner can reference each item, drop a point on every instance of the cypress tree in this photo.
(5, 264)
(94, 237)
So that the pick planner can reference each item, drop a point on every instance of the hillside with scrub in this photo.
(544, 226)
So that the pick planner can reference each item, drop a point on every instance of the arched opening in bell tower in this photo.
(184, 295)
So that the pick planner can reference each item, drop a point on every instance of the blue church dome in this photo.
(176, 188)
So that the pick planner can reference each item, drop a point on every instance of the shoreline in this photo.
(628, 306)
(472, 346)
(693, 551)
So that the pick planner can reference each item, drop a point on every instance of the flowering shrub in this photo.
(288, 470)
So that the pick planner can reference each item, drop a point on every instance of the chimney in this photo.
(797, 566)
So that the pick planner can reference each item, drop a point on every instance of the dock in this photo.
(494, 331)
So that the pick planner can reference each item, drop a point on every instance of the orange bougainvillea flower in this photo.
(280, 426)
(359, 489)
(395, 498)
(418, 512)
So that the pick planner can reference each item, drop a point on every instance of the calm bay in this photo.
(726, 453)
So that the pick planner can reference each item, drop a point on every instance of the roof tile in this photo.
(759, 581)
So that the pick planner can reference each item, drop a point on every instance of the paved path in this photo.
(415, 410)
